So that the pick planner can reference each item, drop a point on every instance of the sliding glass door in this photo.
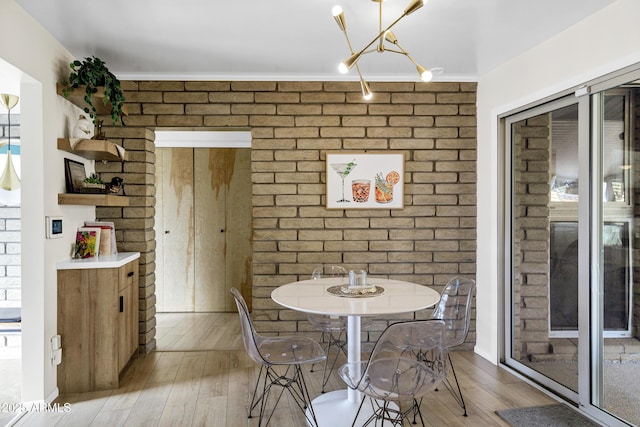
(544, 242)
(571, 244)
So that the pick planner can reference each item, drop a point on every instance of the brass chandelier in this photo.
(384, 35)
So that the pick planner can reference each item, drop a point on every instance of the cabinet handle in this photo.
(121, 304)
(129, 274)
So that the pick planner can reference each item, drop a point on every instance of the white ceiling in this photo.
(299, 39)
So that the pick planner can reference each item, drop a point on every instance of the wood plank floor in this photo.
(212, 387)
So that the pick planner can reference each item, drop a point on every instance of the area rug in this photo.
(548, 415)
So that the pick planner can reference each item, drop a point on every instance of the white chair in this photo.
(288, 352)
(454, 309)
(408, 361)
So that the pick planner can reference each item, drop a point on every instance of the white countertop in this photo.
(110, 261)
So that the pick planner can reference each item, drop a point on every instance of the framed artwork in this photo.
(365, 181)
(74, 175)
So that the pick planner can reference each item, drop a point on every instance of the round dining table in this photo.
(331, 296)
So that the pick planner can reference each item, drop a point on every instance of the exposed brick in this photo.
(293, 125)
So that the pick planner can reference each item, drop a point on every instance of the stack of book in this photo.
(94, 239)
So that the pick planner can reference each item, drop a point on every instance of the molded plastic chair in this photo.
(285, 351)
(454, 309)
(333, 328)
(408, 361)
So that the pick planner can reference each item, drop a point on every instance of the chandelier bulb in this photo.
(338, 15)
(343, 68)
(425, 75)
(366, 91)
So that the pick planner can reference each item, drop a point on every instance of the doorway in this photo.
(203, 227)
(571, 248)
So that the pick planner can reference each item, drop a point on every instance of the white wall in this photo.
(604, 42)
(33, 61)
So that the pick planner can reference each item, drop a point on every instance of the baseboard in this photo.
(34, 404)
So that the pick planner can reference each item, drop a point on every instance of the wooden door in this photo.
(217, 245)
(174, 229)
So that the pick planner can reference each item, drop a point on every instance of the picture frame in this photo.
(365, 180)
(74, 175)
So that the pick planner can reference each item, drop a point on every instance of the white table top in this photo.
(310, 296)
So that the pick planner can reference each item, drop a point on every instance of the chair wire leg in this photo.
(306, 398)
(265, 395)
(358, 412)
(416, 411)
(455, 391)
(323, 339)
(339, 344)
(255, 399)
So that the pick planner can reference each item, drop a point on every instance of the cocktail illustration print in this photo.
(384, 186)
(343, 169)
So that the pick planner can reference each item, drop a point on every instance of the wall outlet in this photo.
(56, 350)
(56, 342)
(56, 357)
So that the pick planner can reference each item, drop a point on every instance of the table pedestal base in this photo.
(333, 409)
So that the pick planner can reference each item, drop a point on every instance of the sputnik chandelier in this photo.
(384, 35)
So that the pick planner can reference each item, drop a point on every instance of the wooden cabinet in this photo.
(97, 320)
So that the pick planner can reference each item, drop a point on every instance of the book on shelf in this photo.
(107, 238)
(87, 242)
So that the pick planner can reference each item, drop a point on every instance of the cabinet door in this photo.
(88, 325)
(127, 313)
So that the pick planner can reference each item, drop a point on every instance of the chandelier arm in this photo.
(397, 51)
(379, 36)
(346, 36)
(403, 52)
(381, 39)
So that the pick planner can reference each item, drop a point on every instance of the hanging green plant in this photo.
(92, 73)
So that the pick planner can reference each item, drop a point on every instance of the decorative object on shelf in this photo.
(116, 186)
(99, 132)
(93, 184)
(74, 175)
(93, 73)
(9, 181)
(82, 129)
(382, 36)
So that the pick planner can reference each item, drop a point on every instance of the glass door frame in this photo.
(590, 322)
(508, 245)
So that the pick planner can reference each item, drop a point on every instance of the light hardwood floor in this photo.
(211, 387)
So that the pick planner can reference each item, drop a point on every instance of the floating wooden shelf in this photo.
(92, 199)
(76, 96)
(93, 149)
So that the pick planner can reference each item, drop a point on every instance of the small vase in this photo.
(99, 134)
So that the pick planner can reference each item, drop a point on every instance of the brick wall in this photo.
(531, 144)
(10, 269)
(293, 125)
(10, 272)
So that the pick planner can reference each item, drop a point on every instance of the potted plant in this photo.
(92, 73)
(93, 184)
